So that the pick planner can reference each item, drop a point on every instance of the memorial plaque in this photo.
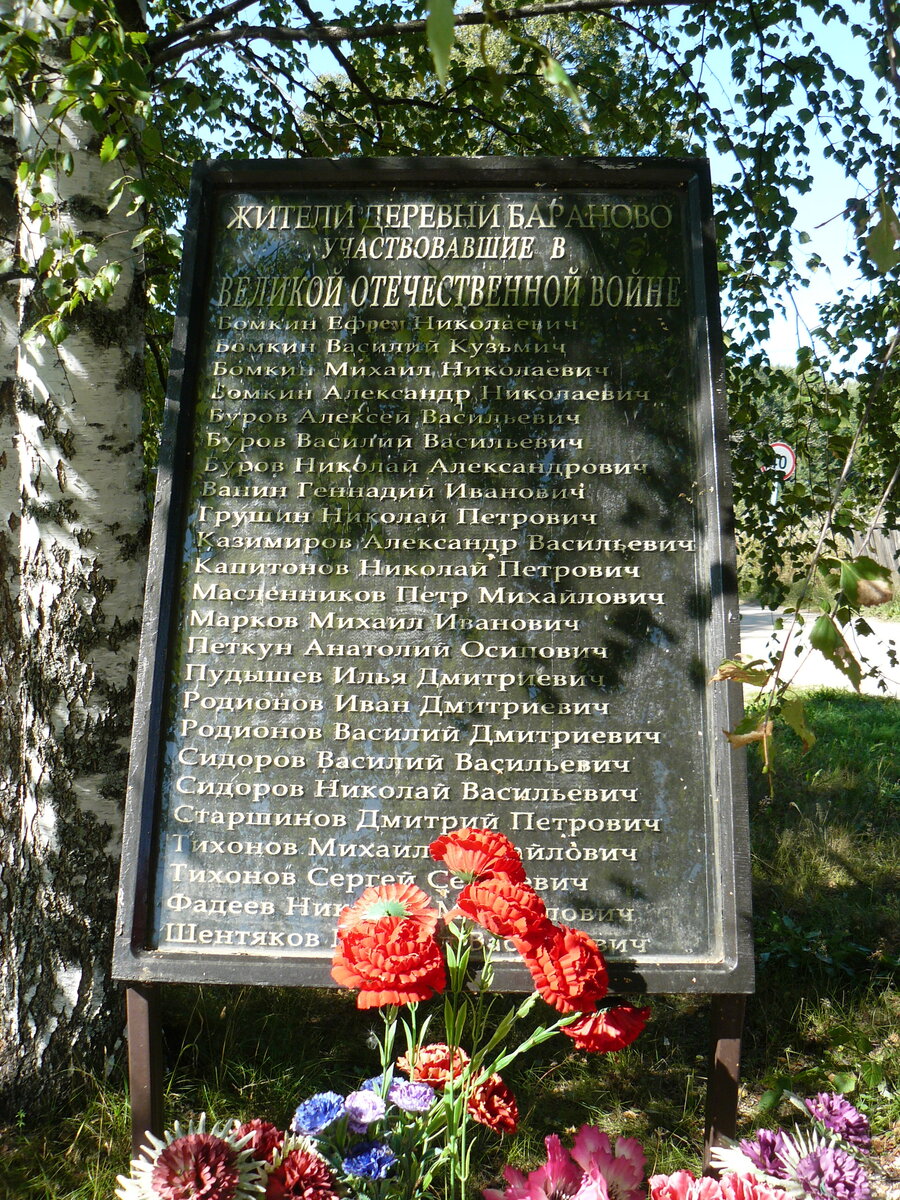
(442, 538)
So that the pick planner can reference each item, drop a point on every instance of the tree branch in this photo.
(339, 56)
(189, 28)
(163, 51)
(343, 61)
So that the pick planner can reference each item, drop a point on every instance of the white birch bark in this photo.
(73, 502)
(10, 623)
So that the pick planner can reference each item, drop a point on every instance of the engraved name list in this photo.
(448, 543)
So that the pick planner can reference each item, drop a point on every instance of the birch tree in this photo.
(72, 535)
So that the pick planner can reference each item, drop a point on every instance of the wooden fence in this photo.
(883, 545)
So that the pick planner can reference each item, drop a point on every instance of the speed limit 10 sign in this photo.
(785, 460)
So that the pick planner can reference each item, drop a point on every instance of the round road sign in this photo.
(785, 460)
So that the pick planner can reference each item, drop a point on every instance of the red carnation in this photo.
(479, 854)
(390, 962)
(302, 1175)
(198, 1166)
(508, 910)
(568, 969)
(494, 1105)
(603, 1032)
(390, 900)
(431, 1064)
(265, 1140)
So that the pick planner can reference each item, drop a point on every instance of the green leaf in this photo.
(439, 33)
(57, 330)
(150, 231)
(108, 150)
(555, 73)
(880, 242)
(844, 1082)
(853, 572)
(794, 713)
(52, 289)
(131, 73)
(770, 1099)
(151, 141)
(872, 1074)
(828, 640)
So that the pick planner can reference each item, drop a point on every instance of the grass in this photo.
(826, 846)
(826, 1013)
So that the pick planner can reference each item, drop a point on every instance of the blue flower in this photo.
(317, 1113)
(369, 1160)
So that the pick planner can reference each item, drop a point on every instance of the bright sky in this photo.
(821, 214)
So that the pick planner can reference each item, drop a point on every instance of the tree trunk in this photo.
(73, 535)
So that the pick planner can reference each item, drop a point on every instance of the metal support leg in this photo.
(725, 1065)
(145, 1071)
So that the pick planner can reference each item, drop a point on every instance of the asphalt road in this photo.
(806, 668)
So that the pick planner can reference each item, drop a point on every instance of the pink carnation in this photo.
(622, 1166)
(683, 1186)
(747, 1187)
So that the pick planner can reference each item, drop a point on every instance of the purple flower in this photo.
(412, 1097)
(830, 1173)
(839, 1115)
(370, 1160)
(363, 1107)
(767, 1150)
(317, 1113)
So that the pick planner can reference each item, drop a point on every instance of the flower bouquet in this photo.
(409, 1130)
(831, 1161)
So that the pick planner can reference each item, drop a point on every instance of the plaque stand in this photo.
(145, 1068)
(145, 1064)
(727, 1021)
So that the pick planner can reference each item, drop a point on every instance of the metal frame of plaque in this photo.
(442, 534)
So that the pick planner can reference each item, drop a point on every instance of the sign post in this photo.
(783, 468)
